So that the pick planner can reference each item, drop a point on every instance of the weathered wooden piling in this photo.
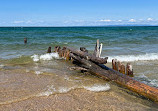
(67, 55)
(129, 70)
(100, 49)
(96, 51)
(119, 66)
(83, 49)
(57, 48)
(123, 69)
(49, 50)
(113, 64)
(25, 40)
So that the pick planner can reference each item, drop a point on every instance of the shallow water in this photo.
(28, 72)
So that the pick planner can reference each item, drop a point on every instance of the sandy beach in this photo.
(20, 92)
(31, 79)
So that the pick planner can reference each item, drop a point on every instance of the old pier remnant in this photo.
(118, 73)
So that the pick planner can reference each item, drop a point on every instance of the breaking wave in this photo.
(98, 87)
(144, 79)
(52, 90)
(47, 56)
(130, 58)
(95, 88)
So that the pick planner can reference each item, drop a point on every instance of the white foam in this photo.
(64, 89)
(35, 57)
(47, 56)
(67, 78)
(130, 58)
(52, 90)
(48, 92)
(98, 87)
(146, 80)
(1, 65)
(38, 72)
(27, 70)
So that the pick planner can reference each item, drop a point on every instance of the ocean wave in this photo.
(1, 65)
(95, 88)
(144, 79)
(130, 58)
(38, 72)
(47, 56)
(52, 90)
(98, 87)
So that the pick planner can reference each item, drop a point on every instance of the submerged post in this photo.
(25, 40)
(49, 50)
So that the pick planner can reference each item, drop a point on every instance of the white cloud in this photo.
(107, 20)
(17, 22)
(149, 19)
(28, 22)
(132, 20)
(119, 20)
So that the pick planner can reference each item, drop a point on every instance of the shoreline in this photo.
(76, 99)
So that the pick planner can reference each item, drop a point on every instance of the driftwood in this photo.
(87, 56)
(83, 49)
(121, 79)
(98, 49)
(95, 66)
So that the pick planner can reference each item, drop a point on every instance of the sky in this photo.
(78, 12)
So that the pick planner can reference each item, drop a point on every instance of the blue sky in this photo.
(78, 12)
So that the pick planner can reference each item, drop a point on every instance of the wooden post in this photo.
(64, 52)
(129, 70)
(25, 40)
(57, 48)
(119, 66)
(96, 51)
(83, 49)
(67, 55)
(116, 65)
(100, 49)
(113, 64)
(122, 69)
(49, 50)
(60, 53)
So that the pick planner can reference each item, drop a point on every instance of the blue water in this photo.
(116, 40)
(29, 63)
(138, 45)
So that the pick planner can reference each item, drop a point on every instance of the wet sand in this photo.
(77, 100)
(20, 90)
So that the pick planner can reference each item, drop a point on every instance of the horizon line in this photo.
(90, 26)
